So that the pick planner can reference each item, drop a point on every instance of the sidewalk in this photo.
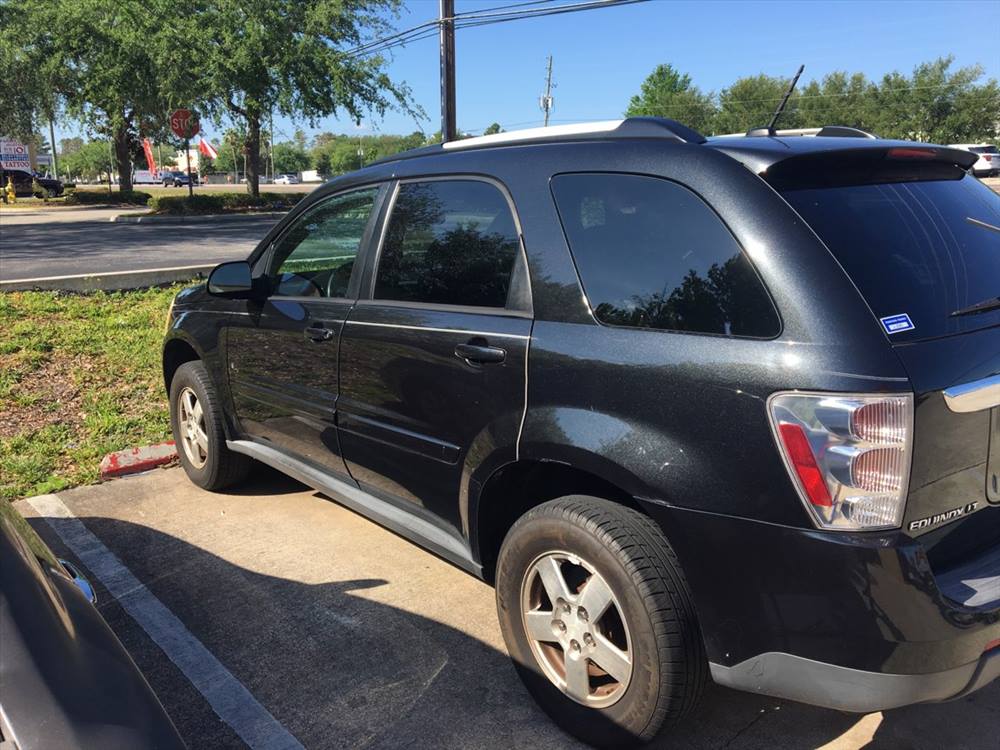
(15, 216)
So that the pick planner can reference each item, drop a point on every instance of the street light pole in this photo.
(447, 46)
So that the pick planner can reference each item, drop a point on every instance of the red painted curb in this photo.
(134, 460)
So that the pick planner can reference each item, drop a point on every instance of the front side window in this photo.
(316, 256)
(652, 254)
(448, 242)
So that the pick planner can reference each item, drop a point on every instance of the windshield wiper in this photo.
(980, 307)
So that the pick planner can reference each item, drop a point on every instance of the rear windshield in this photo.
(983, 149)
(921, 249)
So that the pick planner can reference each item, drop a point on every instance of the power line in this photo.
(483, 17)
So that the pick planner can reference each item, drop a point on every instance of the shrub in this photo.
(213, 203)
(93, 197)
(200, 203)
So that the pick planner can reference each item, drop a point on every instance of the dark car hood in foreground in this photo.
(66, 680)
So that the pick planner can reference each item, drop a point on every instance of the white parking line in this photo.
(227, 696)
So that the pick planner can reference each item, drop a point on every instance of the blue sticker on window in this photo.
(897, 323)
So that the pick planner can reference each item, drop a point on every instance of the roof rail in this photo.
(632, 127)
(827, 131)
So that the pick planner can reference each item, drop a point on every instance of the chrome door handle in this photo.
(318, 333)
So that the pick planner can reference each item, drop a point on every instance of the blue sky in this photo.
(602, 56)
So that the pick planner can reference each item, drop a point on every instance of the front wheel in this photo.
(599, 622)
(196, 421)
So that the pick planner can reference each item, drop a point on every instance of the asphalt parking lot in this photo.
(277, 616)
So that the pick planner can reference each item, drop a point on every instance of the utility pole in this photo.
(545, 101)
(447, 47)
(271, 151)
(52, 141)
(111, 164)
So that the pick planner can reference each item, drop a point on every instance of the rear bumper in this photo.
(855, 622)
(832, 686)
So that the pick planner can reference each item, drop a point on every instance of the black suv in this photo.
(724, 408)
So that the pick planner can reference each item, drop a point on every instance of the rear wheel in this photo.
(196, 421)
(598, 619)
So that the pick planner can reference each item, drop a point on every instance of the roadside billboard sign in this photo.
(14, 155)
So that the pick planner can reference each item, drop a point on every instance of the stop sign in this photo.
(184, 123)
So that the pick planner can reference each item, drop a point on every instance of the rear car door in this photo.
(283, 352)
(432, 383)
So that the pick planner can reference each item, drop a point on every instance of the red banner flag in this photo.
(148, 148)
(205, 148)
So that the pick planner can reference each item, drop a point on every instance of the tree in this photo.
(666, 92)
(89, 161)
(289, 57)
(937, 104)
(290, 158)
(28, 100)
(493, 129)
(103, 59)
(69, 146)
(751, 102)
(840, 99)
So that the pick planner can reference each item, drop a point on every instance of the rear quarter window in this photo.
(652, 254)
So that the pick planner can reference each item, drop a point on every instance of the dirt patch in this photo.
(46, 396)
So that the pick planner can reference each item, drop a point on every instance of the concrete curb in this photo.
(134, 460)
(109, 281)
(196, 219)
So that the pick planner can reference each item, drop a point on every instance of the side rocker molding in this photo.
(403, 522)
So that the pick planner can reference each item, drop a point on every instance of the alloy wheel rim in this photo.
(191, 424)
(576, 629)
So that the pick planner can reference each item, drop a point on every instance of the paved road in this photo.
(32, 249)
(346, 635)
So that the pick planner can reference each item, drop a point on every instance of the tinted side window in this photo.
(450, 242)
(652, 254)
(315, 257)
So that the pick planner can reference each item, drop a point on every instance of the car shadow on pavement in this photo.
(341, 669)
(265, 481)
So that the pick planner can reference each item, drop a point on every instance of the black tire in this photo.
(669, 665)
(221, 467)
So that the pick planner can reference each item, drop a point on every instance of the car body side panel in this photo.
(698, 436)
(415, 420)
(201, 321)
(67, 681)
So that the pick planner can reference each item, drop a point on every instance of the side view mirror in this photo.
(232, 280)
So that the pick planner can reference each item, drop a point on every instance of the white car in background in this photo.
(989, 158)
(286, 179)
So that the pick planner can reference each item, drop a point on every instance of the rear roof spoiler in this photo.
(889, 162)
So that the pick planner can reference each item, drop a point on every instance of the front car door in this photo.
(432, 384)
(283, 351)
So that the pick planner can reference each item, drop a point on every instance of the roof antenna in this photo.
(784, 101)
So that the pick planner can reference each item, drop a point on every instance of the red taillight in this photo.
(987, 157)
(798, 451)
(912, 153)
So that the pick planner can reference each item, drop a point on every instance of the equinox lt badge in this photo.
(950, 515)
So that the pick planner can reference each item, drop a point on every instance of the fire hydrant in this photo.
(11, 193)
